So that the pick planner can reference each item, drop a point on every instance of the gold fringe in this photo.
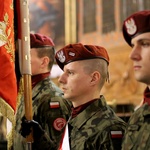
(10, 136)
(7, 111)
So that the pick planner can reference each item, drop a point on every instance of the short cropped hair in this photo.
(99, 65)
(48, 51)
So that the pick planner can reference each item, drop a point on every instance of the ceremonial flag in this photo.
(8, 82)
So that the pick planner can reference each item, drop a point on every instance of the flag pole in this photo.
(26, 63)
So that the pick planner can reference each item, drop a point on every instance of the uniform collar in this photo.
(77, 110)
(146, 110)
(37, 78)
(88, 112)
(147, 96)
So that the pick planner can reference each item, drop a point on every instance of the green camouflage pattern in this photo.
(137, 135)
(43, 94)
(91, 129)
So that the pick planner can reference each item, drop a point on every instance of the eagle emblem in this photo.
(61, 56)
(131, 26)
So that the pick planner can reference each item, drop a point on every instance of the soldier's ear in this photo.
(95, 77)
(45, 61)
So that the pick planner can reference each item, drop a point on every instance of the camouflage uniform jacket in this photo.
(96, 128)
(137, 136)
(49, 109)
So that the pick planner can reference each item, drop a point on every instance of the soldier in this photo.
(49, 108)
(136, 32)
(93, 125)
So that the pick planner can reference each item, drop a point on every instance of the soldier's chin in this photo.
(66, 96)
(140, 78)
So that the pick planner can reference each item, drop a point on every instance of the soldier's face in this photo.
(75, 83)
(140, 55)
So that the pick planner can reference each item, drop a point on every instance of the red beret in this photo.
(136, 24)
(38, 41)
(75, 52)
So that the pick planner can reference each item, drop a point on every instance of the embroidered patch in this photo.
(131, 26)
(116, 134)
(59, 123)
(54, 105)
(61, 56)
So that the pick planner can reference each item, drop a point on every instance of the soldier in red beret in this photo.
(92, 125)
(50, 110)
(136, 32)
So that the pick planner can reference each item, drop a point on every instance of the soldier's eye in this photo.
(145, 43)
(70, 72)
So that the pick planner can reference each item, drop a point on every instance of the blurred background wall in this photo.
(93, 22)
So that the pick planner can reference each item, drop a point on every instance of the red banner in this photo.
(8, 84)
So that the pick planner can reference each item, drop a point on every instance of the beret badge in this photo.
(130, 26)
(72, 54)
(61, 56)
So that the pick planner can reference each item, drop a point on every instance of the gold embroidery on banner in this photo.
(6, 30)
(12, 6)
(6, 37)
